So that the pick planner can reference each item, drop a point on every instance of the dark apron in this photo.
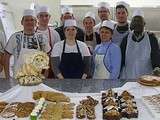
(71, 65)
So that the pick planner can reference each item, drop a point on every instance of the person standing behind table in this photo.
(122, 26)
(70, 57)
(25, 41)
(67, 13)
(91, 38)
(52, 36)
(140, 50)
(103, 13)
(107, 55)
(2, 46)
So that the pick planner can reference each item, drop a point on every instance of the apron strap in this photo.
(105, 56)
(64, 45)
(50, 43)
(77, 47)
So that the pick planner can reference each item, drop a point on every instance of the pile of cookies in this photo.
(115, 107)
(86, 108)
(21, 110)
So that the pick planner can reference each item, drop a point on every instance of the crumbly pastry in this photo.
(24, 109)
(51, 96)
(149, 80)
(57, 111)
(2, 106)
(80, 112)
(86, 108)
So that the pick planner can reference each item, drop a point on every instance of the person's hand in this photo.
(60, 76)
(84, 76)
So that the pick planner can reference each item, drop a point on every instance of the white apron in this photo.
(118, 37)
(138, 59)
(101, 71)
(24, 50)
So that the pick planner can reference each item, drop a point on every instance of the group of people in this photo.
(108, 50)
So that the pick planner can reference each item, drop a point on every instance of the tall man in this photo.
(122, 25)
(140, 50)
(24, 41)
(52, 36)
(67, 13)
(103, 13)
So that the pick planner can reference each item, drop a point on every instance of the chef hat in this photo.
(67, 9)
(29, 12)
(126, 5)
(90, 14)
(42, 9)
(70, 22)
(103, 5)
(138, 12)
(108, 24)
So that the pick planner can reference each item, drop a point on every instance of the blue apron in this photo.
(71, 65)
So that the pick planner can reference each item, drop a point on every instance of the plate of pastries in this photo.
(151, 80)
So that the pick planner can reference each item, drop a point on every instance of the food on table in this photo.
(149, 80)
(86, 108)
(51, 96)
(115, 107)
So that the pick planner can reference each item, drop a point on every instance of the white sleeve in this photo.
(56, 37)
(11, 44)
(85, 50)
(56, 51)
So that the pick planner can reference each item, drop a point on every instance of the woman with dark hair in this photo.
(107, 55)
(70, 57)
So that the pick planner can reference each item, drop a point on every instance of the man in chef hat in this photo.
(103, 13)
(67, 13)
(91, 38)
(52, 35)
(140, 50)
(24, 41)
(122, 25)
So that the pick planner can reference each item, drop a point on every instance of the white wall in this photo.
(17, 7)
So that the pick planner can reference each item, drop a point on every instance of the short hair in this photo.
(121, 6)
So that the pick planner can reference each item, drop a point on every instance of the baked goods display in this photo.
(18, 109)
(57, 111)
(86, 108)
(45, 110)
(29, 73)
(116, 107)
(153, 104)
(51, 96)
(149, 80)
(2, 105)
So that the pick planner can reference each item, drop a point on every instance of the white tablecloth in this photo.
(24, 94)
